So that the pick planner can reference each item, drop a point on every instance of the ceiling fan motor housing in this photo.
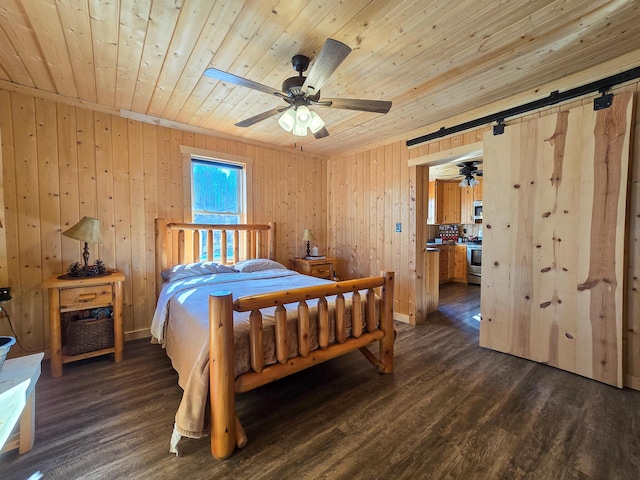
(293, 85)
(300, 63)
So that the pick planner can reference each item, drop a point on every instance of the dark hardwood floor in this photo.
(451, 410)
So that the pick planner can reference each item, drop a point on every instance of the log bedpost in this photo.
(386, 323)
(271, 239)
(222, 375)
(161, 252)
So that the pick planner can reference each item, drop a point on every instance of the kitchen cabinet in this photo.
(444, 202)
(477, 190)
(468, 195)
(460, 263)
(452, 263)
(446, 262)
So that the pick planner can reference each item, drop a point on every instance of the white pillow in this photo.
(195, 269)
(258, 264)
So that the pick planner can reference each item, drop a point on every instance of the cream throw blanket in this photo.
(185, 333)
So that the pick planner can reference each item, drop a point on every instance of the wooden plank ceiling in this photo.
(433, 58)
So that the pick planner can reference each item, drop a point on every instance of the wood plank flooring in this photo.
(451, 410)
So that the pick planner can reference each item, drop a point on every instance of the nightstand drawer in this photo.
(85, 297)
(321, 270)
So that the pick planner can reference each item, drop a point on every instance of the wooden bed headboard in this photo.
(179, 243)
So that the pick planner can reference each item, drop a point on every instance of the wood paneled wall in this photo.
(369, 193)
(360, 184)
(60, 163)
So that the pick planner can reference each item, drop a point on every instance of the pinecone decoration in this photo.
(93, 270)
(75, 270)
(101, 268)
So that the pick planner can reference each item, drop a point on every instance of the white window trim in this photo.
(247, 163)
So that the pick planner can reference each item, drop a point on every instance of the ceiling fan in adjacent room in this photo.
(300, 92)
(469, 171)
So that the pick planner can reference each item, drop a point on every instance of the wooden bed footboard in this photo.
(180, 243)
(226, 430)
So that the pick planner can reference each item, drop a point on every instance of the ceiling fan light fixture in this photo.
(317, 123)
(473, 181)
(288, 120)
(464, 183)
(299, 130)
(303, 116)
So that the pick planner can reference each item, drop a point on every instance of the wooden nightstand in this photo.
(316, 268)
(76, 295)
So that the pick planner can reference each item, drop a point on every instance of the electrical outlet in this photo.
(398, 227)
(5, 294)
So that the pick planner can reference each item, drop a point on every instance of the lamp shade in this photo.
(288, 120)
(316, 123)
(308, 236)
(86, 230)
(299, 130)
(303, 116)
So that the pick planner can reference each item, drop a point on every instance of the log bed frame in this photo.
(226, 430)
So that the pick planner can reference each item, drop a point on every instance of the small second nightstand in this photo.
(323, 268)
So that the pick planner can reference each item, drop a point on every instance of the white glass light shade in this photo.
(473, 182)
(299, 131)
(303, 116)
(316, 123)
(288, 120)
(464, 183)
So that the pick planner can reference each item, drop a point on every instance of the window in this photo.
(217, 196)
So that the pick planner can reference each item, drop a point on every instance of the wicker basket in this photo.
(88, 335)
(5, 346)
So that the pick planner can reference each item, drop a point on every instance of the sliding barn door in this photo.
(554, 229)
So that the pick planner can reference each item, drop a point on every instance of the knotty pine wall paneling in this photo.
(631, 329)
(60, 163)
(368, 195)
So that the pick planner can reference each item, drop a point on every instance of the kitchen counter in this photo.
(435, 245)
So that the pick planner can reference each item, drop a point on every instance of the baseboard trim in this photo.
(401, 317)
(632, 382)
(137, 334)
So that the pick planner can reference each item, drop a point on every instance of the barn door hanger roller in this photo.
(603, 101)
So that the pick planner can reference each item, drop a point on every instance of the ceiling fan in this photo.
(300, 92)
(469, 171)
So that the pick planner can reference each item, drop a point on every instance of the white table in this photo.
(18, 378)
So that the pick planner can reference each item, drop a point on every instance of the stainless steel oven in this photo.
(474, 263)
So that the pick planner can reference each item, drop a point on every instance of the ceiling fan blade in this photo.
(328, 60)
(243, 82)
(375, 106)
(323, 132)
(261, 116)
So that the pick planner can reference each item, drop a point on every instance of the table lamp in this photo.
(308, 237)
(86, 230)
